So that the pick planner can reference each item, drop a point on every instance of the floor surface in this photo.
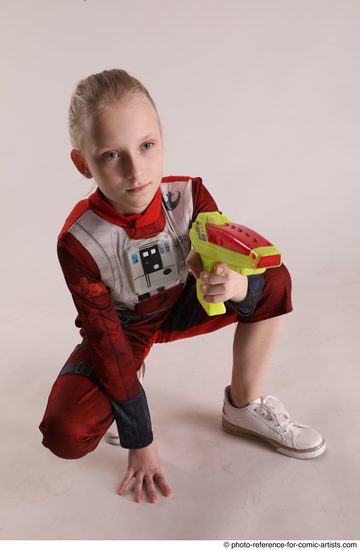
(224, 487)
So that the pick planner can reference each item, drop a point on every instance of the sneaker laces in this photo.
(272, 406)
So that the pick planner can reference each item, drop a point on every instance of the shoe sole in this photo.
(283, 449)
(112, 439)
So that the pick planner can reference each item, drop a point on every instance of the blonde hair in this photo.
(95, 93)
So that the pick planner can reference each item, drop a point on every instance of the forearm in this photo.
(133, 421)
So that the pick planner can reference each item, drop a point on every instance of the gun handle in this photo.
(211, 309)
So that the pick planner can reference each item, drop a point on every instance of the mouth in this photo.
(138, 189)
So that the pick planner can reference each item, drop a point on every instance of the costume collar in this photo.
(100, 206)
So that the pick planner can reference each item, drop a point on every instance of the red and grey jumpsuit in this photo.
(131, 288)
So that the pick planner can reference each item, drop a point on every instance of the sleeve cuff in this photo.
(133, 421)
(248, 305)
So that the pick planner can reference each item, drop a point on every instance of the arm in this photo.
(114, 368)
(239, 292)
(110, 349)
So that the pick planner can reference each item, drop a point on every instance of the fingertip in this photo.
(166, 491)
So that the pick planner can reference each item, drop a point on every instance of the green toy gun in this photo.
(217, 239)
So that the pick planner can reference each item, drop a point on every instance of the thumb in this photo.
(220, 269)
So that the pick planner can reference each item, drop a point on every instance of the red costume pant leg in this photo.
(77, 414)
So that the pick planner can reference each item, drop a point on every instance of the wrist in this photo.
(242, 292)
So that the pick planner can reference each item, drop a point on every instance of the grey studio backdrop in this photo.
(260, 99)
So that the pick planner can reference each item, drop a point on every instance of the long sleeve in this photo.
(202, 199)
(110, 349)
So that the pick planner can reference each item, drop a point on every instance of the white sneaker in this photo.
(266, 418)
(112, 436)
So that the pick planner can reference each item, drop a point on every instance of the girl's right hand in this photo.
(144, 465)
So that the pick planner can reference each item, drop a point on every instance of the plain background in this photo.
(261, 99)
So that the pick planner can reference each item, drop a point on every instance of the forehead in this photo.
(123, 121)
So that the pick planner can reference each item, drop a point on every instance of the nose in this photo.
(133, 169)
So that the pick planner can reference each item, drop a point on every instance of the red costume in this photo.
(131, 288)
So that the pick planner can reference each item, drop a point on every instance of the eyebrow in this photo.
(103, 147)
(146, 137)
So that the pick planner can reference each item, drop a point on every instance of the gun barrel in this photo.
(236, 244)
(235, 237)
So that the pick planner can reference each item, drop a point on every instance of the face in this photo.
(123, 152)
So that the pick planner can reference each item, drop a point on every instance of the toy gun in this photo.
(217, 239)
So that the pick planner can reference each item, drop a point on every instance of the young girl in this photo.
(126, 255)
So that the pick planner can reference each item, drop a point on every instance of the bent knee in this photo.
(68, 439)
(278, 280)
(276, 295)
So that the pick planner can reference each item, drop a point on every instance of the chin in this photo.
(148, 196)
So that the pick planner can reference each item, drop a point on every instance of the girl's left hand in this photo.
(223, 284)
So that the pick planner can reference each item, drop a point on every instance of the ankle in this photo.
(238, 403)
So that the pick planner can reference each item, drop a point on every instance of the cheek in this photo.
(105, 169)
(158, 163)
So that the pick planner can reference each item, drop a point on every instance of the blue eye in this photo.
(111, 155)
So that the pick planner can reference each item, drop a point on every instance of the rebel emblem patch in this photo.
(169, 203)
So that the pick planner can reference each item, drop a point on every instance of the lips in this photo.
(138, 189)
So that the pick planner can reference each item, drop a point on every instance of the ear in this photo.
(80, 163)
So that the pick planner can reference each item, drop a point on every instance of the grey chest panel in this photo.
(135, 269)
